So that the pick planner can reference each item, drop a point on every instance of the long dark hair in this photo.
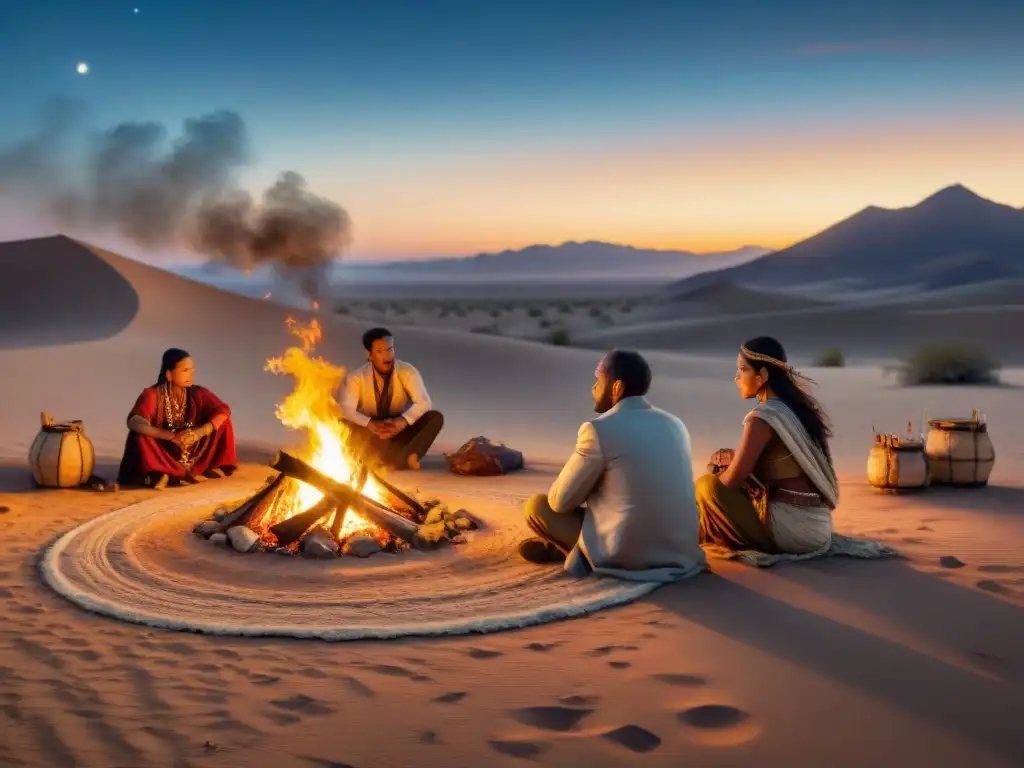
(169, 362)
(790, 387)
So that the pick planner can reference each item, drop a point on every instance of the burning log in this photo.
(403, 497)
(343, 497)
(339, 517)
(248, 508)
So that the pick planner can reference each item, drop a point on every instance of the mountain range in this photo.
(954, 237)
(591, 259)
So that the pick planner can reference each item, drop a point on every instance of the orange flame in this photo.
(312, 408)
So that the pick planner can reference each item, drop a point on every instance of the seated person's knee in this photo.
(536, 506)
(708, 486)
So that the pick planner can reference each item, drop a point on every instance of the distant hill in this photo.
(953, 236)
(592, 258)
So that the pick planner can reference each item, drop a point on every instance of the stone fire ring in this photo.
(141, 564)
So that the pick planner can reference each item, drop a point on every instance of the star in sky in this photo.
(82, 68)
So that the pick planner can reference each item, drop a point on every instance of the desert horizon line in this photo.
(363, 259)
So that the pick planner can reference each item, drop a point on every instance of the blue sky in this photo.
(409, 113)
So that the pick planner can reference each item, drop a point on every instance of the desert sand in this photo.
(825, 663)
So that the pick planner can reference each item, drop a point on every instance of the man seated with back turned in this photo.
(632, 469)
(386, 405)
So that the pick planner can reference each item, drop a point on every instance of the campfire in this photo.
(326, 499)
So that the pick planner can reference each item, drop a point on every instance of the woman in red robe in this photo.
(178, 431)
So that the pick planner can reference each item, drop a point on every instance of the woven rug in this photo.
(142, 564)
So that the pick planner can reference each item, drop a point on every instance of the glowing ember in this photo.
(312, 409)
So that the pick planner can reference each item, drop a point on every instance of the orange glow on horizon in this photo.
(706, 194)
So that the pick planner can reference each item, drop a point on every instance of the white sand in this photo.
(819, 664)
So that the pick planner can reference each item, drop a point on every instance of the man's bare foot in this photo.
(212, 474)
(413, 461)
(194, 479)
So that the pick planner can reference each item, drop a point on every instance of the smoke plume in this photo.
(133, 181)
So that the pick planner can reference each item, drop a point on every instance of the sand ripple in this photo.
(141, 564)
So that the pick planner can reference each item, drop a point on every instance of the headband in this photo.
(758, 357)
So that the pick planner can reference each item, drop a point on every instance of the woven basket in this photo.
(960, 451)
(61, 456)
(897, 464)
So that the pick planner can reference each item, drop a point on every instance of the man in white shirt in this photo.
(632, 470)
(386, 405)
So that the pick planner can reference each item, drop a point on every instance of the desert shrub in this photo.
(545, 323)
(595, 311)
(559, 337)
(535, 312)
(377, 306)
(627, 307)
(459, 312)
(832, 358)
(565, 309)
(491, 330)
(399, 309)
(949, 364)
(495, 313)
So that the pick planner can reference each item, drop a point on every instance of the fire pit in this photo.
(325, 499)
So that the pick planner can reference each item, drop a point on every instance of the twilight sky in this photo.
(449, 127)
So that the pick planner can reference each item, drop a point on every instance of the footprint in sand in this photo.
(183, 649)
(951, 561)
(302, 704)
(559, 719)
(6, 592)
(712, 717)
(321, 762)
(4, 509)
(682, 681)
(258, 679)
(604, 650)
(312, 672)
(228, 654)
(31, 609)
(483, 653)
(891, 530)
(428, 737)
(540, 647)
(525, 750)
(912, 540)
(357, 686)
(393, 670)
(451, 698)
(1001, 568)
(634, 738)
(619, 664)
(925, 528)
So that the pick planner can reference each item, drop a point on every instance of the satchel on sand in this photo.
(482, 457)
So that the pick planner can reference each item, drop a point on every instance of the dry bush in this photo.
(831, 358)
(535, 312)
(559, 337)
(949, 363)
(490, 330)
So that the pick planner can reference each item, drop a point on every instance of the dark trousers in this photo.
(414, 439)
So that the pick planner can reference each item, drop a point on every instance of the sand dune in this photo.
(52, 294)
(917, 661)
(722, 297)
(869, 332)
